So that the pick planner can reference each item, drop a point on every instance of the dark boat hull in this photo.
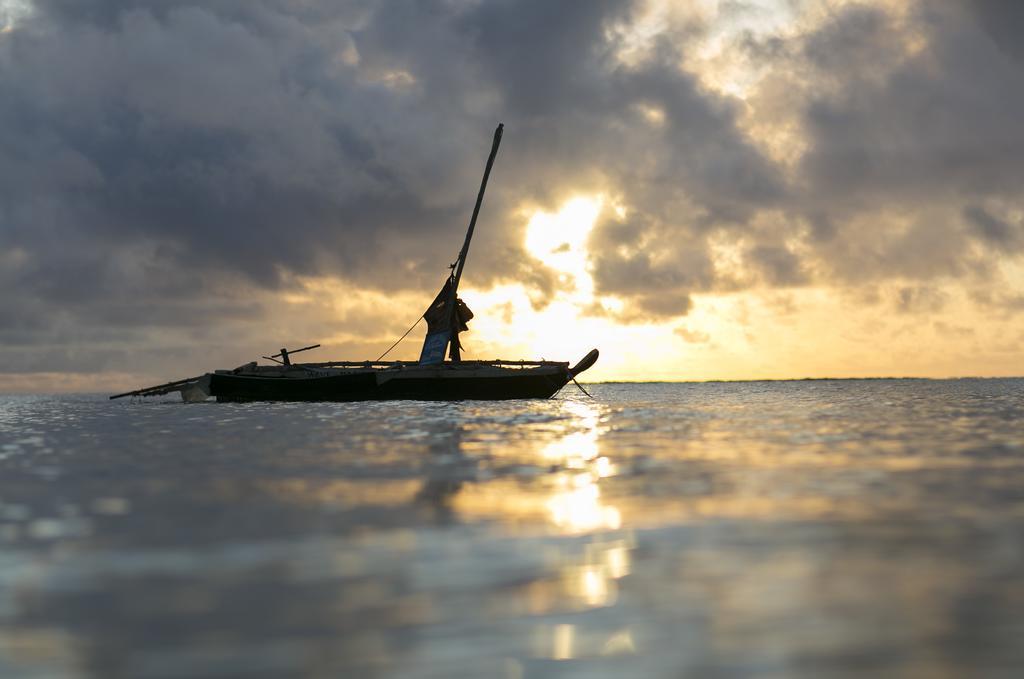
(377, 381)
(472, 388)
(378, 385)
(349, 387)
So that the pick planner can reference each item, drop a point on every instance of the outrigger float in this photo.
(432, 378)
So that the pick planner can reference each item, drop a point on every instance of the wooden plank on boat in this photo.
(393, 364)
(470, 372)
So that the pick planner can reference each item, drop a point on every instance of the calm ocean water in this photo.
(783, 529)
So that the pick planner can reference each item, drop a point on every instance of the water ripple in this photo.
(796, 529)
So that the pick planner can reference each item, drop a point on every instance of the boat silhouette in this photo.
(431, 378)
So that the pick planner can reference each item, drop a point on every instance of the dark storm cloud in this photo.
(908, 123)
(911, 161)
(161, 160)
(237, 136)
(992, 230)
(155, 156)
(1003, 20)
(625, 265)
(778, 265)
(911, 125)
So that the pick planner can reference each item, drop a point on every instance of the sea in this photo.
(745, 529)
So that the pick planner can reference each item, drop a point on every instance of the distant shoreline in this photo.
(810, 379)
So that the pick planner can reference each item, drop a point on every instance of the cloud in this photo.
(993, 231)
(920, 299)
(907, 119)
(177, 163)
(904, 153)
(779, 265)
(238, 144)
(692, 336)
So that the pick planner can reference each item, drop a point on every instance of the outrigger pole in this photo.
(454, 353)
(159, 389)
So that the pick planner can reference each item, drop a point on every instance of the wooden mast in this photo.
(454, 353)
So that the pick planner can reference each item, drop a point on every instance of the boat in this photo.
(431, 378)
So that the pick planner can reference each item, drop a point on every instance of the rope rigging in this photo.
(397, 342)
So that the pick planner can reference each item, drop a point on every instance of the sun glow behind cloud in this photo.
(562, 326)
(559, 240)
(754, 334)
(556, 327)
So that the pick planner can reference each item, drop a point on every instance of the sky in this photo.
(702, 189)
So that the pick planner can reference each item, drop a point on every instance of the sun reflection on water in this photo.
(575, 505)
(577, 508)
(568, 490)
(560, 486)
(577, 442)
